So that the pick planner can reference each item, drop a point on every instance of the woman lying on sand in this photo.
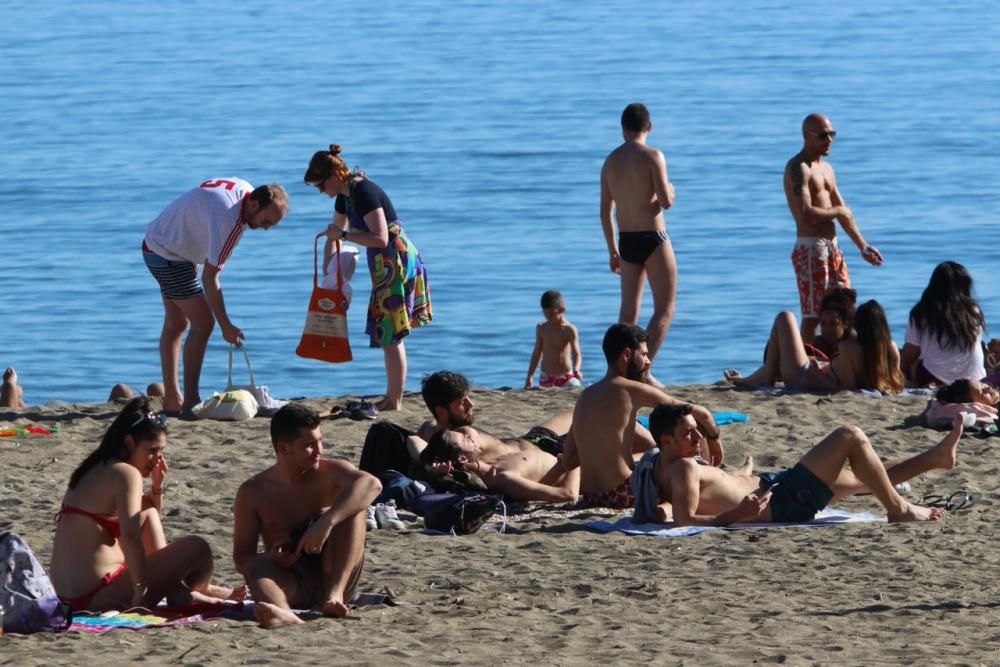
(969, 391)
(869, 361)
(110, 551)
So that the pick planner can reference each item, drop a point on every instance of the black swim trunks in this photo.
(800, 495)
(545, 439)
(636, 247)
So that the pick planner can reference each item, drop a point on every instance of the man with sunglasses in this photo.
(201, 229)
(816, 205)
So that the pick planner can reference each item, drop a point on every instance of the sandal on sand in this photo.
(959, 500)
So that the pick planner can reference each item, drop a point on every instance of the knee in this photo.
(120, 392)
(174, 327)
(852, 433)
(203, 326)
(786, 317)
(665, 311)
(198, 549)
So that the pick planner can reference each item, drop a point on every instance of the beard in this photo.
(636, 371)
(461, 420)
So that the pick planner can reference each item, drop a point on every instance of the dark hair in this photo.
(959, 391)
(665, 418)
(134, 420)
(324, 164)
(948, 310)
(552, 299)
(635, 118)
(272, 193)
(441, 388)
(875, 340)
(620, 337)
(288, 422)
(438, 449)
(840, 300)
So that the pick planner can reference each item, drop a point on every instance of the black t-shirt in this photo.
(365, 198)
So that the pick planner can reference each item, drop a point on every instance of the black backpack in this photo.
(462, 515)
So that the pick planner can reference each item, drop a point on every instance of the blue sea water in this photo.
(487, 124)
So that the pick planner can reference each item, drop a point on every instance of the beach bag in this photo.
(29, 601)
(266, 405)
(325, 333)
(236, 405)
(461, 514)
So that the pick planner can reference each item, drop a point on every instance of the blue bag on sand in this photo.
(29, 601)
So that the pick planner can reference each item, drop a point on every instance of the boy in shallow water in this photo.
(557, 346)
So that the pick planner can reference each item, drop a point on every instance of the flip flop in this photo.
(933, 500)
(961, 500)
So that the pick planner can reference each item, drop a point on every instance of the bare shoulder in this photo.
(121, 472)
(254, 487)
(684, 467)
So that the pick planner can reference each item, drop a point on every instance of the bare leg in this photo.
(11, 394)
(343, 558)
(272, 586)
(395, 372)
(661, 268)
(560, 423)
(809, 326)
(633, 278)
(153, 538)
(942, 456)
(179, 571)
(174, 326)
(197, 312)
(785, 357)
(849, 443)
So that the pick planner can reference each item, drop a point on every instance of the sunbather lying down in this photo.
(700, 495)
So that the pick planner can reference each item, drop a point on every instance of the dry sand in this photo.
(549, 591)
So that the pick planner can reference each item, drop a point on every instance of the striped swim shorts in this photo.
(178, 280)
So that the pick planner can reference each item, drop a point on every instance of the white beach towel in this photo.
(827, 517)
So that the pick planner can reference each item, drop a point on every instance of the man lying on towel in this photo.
(605, 438)
(310, 513)
(700, 495)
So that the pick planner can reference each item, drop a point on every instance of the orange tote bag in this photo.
(325, 334)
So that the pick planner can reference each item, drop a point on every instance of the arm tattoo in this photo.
(797, 181)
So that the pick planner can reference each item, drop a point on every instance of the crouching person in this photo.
(310, 513)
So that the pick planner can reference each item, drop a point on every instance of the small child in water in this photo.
(557, 345)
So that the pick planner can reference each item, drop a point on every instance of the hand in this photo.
(233, 335)
(716, 453)
(334, 233)
(871, 255)
(615, 263)
(159, 473)
(579, 375)
(529, 383)
(752, 506)
(281, 555)
(314, 539)
(440, 468)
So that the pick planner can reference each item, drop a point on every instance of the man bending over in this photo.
(605, 435)
(310, 514)
(701, 495)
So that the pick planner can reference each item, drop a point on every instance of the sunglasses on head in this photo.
(823, 136)
(154, 418)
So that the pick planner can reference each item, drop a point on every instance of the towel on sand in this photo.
(827, 517)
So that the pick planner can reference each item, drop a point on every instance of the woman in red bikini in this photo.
(110, 551)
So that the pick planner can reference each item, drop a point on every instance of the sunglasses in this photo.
(823, 136)
(154, 418)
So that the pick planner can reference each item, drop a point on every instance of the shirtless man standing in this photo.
(310, 513)
(605, 435)
(815, 203)
(700, 495)
(634, 189)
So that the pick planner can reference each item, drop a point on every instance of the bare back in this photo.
(822, 189)
(604, 433)
(633, 175)
(557, 347)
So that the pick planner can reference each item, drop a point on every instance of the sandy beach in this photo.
(549, 591)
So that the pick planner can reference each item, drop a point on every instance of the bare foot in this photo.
(946, 452)
(387, 404)
(272, 616)
(914, 513)
(238, 594)
(734, 376)
(746, 468)
(333, 609)
(11, 394)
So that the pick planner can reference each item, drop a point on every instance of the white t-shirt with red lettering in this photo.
(202, 225)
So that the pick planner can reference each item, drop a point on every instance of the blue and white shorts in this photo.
(178, 280)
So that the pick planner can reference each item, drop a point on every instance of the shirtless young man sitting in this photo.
(634, 191)
(605, 435)
(698, 495)
(525, 468)
(815, 204)
(310, 513)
